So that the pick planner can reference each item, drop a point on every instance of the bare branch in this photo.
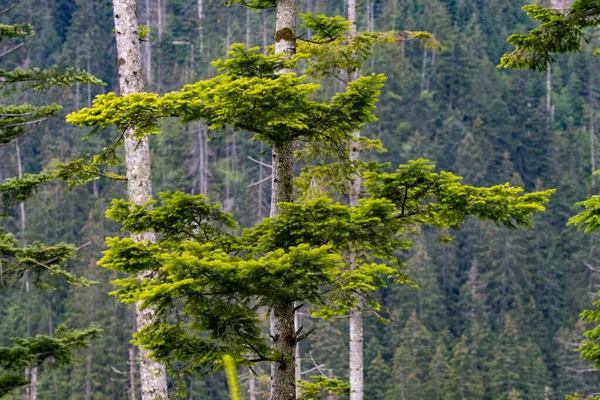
(261, 163)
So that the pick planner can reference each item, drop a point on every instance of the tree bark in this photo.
(356, 374)
(201, 24)
(592, 131)
(251, 385)
(148, 45)
(33, 384)
(132, 373)
(139, 182)
(88, 373)
(283, 335)
(283, 378)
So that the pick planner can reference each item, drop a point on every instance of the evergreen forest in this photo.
(299, 199)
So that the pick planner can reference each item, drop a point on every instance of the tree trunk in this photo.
(424, 69)
(251, 385)
(33, 384)
(148, 45)
(356, 315)
(201, 24)
(139, 183)
(132, 373)
(20, 175)
(592, 131)
(283, 335)
(88, 374)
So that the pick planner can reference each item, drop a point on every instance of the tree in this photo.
(294, 117)
(251, 94)
(139, 181)
(37, 260)
(561, 31)
(212, 281)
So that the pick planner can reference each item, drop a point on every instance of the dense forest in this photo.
(496, 314)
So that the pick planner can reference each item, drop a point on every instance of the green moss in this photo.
(285, 34)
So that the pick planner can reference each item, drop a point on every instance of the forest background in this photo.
(497, 311)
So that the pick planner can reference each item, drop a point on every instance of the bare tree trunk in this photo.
(424, 69)
(549, 89)
(159, 19)
(33, 384)
(201, 24)
(265, 31)
(139, 182)
(20, 174)
(88, 374)
(203, 159)
(283, 335)
(148, 44)
(89, 85)
(247, 28)
(132, 373)
(31, 374)
(298, 375)
(370, 15)
(592, 131)
(356, 316)
(77, 84)
(251, 385)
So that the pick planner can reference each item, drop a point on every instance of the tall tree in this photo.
(356, 361)
(36, 262)
(139, 181)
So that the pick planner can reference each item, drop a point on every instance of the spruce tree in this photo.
(251, 93)
(38, 262)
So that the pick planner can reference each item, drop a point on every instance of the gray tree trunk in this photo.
(356, 315)
(148, 45)
(283, 335)
(132, 373)
(33, 384)
(251, 385)
(201, 24)
(88, 373)
(139, 182)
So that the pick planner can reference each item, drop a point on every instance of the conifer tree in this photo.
(561, 31)
(306, 240)
(464, 382)
(37, 261)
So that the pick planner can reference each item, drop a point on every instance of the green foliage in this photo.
(144, 33)
(41, 80)
(559, 32)
(413, 186)
(17, 30)
(578, 396)
(322, 388)
(76, 172)
(327, 29)
(332, 52)
(257, 4)
(37, 259)
(217, 281)
(32, 352)
(16, 121)
(16, 190)
(248, 95)
(81, 171)
(588, 220)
